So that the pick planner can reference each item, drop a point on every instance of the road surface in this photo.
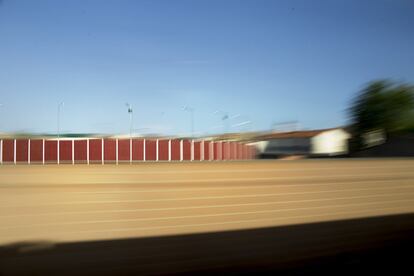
(42, 207)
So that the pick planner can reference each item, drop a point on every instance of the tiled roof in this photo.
(292, 134)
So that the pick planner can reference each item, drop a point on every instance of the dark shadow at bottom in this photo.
(370, 245)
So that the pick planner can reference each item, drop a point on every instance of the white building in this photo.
(324, 142)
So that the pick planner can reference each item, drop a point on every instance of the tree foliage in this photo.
(383, 105)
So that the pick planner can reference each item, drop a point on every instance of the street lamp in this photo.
(130, 111)
(225, 118)
(191, 110)
(1, 105)
(61, 104)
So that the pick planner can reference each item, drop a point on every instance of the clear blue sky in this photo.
(270, 61)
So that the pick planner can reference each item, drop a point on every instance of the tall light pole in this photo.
(130, 111)
(61, 104)
(1, 105)
(225, 118)
(191, 110)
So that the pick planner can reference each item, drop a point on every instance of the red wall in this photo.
(233, 150)
(250, 152)
(239, 151)
(225, 150)
(221, 150)
(109, 150)
(51, 151)
(95, 150)
(186, 150)
(216, 150)
(22, 150)
(81, 147)
(163, 150)
(123, 150)
(229, 150)
(65, 151)
(175, 150)
(197, 151)
(253, 152)
(150, 150)
(36, 150)
(206, 150)
(137, 150)
(8, 150)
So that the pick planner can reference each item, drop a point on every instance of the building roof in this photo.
(293, 134)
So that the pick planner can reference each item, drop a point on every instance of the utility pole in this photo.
(61, 104)
(191, 111)
(130, 111)
(225, 118)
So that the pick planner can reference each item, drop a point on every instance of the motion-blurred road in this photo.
(72, 203)
(79, 203)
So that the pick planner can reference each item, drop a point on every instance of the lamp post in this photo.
(191, 110)
(225, 118)
(61, 104)
(130, 111)
(1, 105)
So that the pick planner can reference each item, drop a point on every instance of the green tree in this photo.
(382, 106)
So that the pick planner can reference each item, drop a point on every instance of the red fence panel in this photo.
(109, 150)
(150, 150)
(239, 151)
(163, 150)
(246, 152)
(231, 150)
(137, 150)
(175, 150)
(206, 150)
(254, 152)
(224, 151)
(225, 148)
(95, 150)
(242, 151)
(51, 151)
(217, 150)
(197, 150)
(8, 150)
(229, 153)
(65, 151)
(36, 150)
(80, 151)
(123, 150)
(22, 150)
(186, 150)
(251, 152)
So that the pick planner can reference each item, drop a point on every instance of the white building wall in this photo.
(260, 146)
(331, 142)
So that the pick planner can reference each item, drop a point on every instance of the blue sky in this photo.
(268, 61)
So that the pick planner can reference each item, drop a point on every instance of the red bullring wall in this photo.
(22, 150)
(175, 150)
(163, 151)
(101, 151)
(137, 150)
(36, 151)
(81, 151)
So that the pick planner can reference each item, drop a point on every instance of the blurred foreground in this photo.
(186, 217)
